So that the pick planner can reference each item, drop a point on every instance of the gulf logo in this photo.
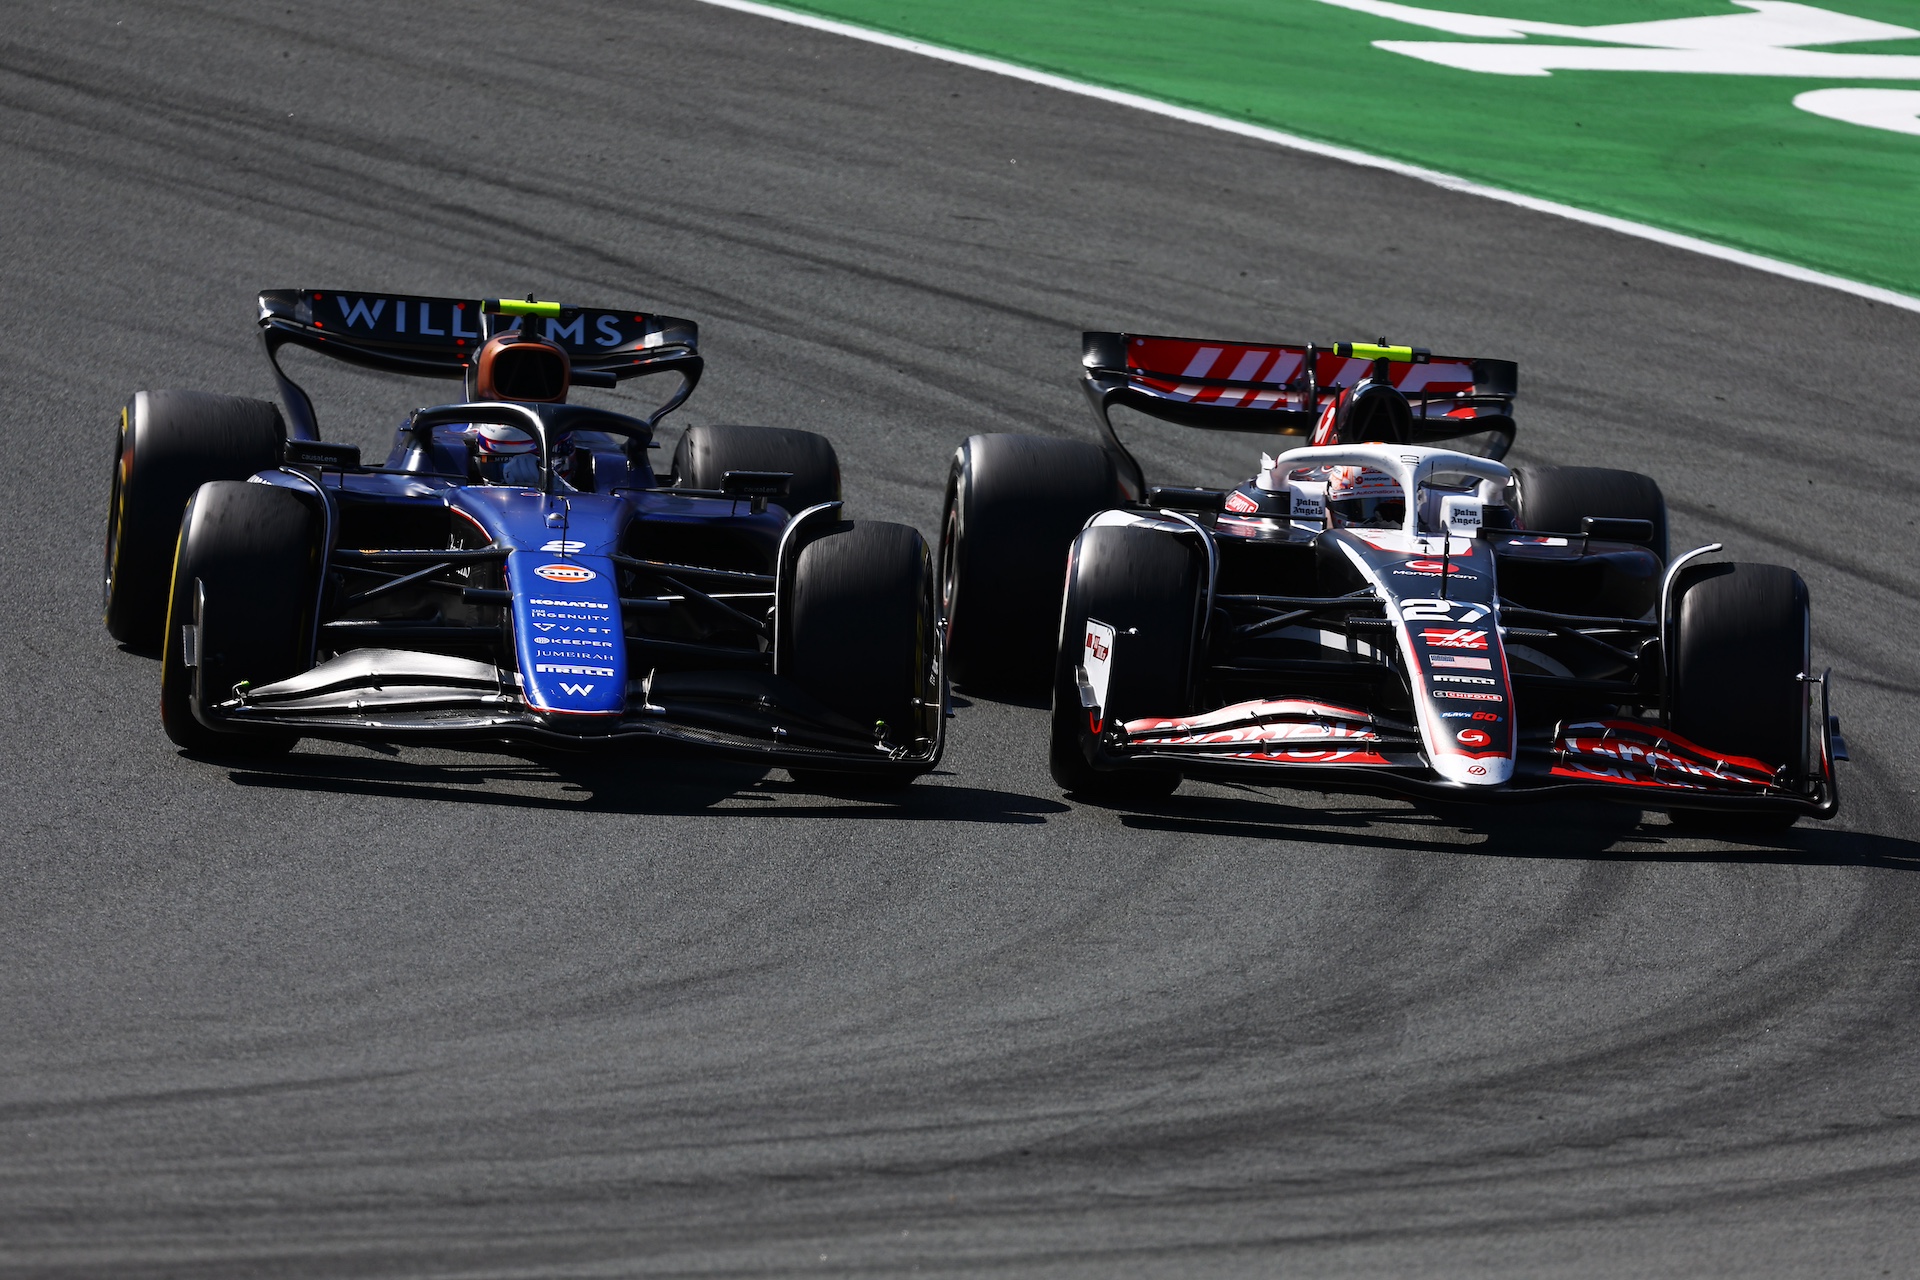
(566, 573)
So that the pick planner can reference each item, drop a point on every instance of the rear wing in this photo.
(439, 337)
(1280, 389)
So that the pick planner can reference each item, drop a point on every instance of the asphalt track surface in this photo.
(434, 1013)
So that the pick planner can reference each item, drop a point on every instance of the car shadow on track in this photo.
(634, 785)
(1588, 831)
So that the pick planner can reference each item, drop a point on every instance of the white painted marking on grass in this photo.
(1895, 109)
(1294, 142)
(1751, 43)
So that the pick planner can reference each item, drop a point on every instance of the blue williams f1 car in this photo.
(515, 570)
(1374, 611)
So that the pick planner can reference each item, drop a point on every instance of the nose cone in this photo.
(567, 629)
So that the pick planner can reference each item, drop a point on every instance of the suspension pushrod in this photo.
(682, 570)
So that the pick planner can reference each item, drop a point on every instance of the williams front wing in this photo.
(752, 716)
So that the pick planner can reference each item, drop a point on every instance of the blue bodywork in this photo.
(591, 604)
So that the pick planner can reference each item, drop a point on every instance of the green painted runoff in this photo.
(1726, 157)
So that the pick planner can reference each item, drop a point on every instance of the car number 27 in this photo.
(1441, 611)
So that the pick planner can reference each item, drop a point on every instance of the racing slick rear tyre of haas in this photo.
(1556, 499)
(863, 631)
(707, 452)
(1147, 585)
(243, 582)
(1014, 504)
(168, 444)
(1741, 637)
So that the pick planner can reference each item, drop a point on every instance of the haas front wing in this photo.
(1457, 733)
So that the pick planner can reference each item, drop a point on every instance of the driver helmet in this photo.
(1363, 496)
(507, 455)
(528, 370)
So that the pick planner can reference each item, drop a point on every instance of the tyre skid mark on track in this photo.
(11, 1112)
(1801, 549)
(994, 406)
(714, 1041)
(1329, 151)
(411, 198)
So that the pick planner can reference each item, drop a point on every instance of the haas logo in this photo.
(1097, 647)
(1457, 638)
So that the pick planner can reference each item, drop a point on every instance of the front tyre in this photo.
(1014, 504)
(1147, 584)
(169, 444)
(1741, 645)
(861, 636)
(243, 598)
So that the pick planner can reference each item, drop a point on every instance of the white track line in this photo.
(1673, 239)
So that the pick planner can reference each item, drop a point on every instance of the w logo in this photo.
(577, 690)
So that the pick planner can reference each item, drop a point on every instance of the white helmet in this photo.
(497, 441)
(1363, 496)
(508, 455)
(1360, 482)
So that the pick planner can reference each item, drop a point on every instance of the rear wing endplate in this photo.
(1280, 389)
(439, 337)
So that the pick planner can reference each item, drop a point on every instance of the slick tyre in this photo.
(1740, 636)
(1014, 504)
(168, 444)
(706, 453)
(1148, 586)
(1555, 500)
(861, 632)
(243, 585)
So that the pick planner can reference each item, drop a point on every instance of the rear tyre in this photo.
(1555, 499)
(243, 580)
(1014, 504)
(1740, 645)
(1147, 585)
(170, 443)
(861, 636)
(706, 453)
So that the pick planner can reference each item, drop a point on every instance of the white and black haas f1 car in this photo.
(515, 570)
(1374, 612)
